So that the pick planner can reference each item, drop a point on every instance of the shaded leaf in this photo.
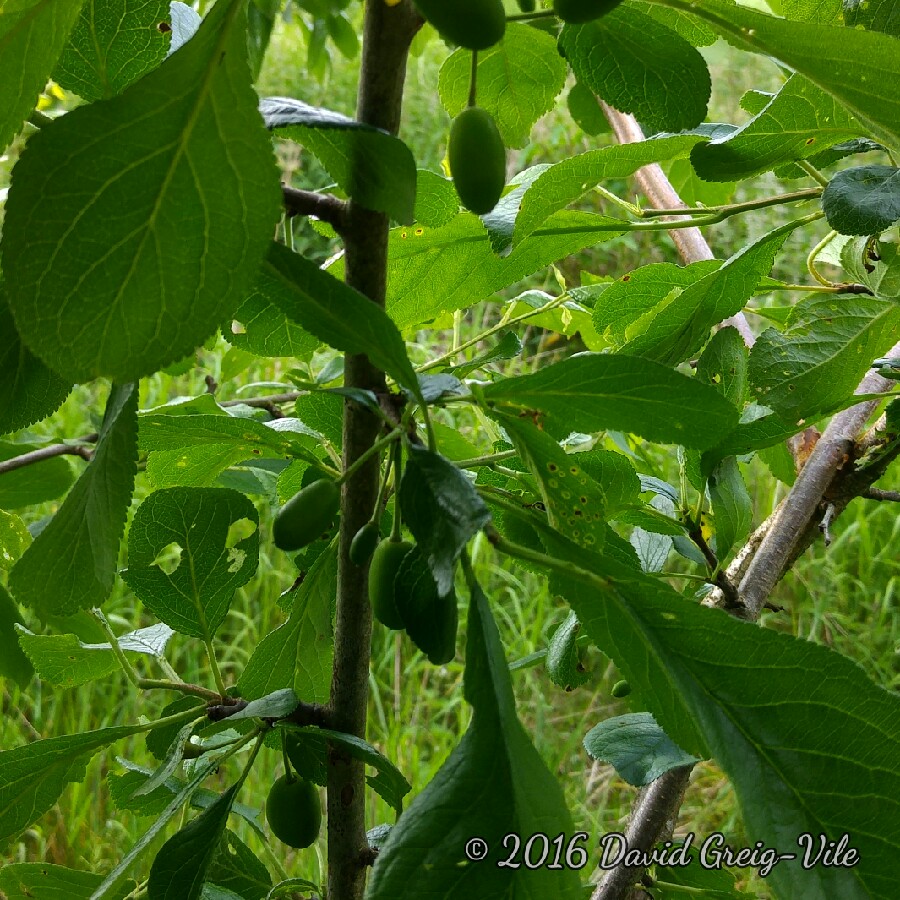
(262, 328)
(31, 390)
(442, 510)
(493, 783)
(14, 663)
(864, 200)
(44, 881)
(72, 563)
(637, 747)
(236, 867)
(32, 35)
(373, 167)
(337, 314)
(731, 507)
(35, 483)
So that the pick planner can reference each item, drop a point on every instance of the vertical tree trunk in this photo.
(387, 34)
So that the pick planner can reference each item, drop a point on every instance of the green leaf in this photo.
(14, 538)
(798, 122)
(679, 326)
(184, 791)
(298, 653)
(430, 620)
(567, 181)
(876, 15)
(493, 783)
(262, 328)
(179, 868)
(436, 199)
(14, 663)
(615, 474)
(214, 558)
(731, 507)
(237, 868)
(72, 563)
(637, 747)
(575, 503)
(388, 782)
(864, 200)
(856, 67)
(32, 484)
(31, 391)
(374, 168)
(337, 314)
(809, 10)
(65, 661)
(638, 65)
(694, 32)
(44, 881)
(460, 258)
(808, 741)
(876, 264)
(627, 299)
(820, 358)
(135, 225)
(33, 776)
(508, 347)
(518, 81)
(594, 392)
(724, 363)
(32, 35)
(442, 510)
(563, 663)
(585, 110)
(113, 43)
(323, 412)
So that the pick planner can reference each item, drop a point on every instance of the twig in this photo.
(689, 242)
(36, 456)
(329, 209)
(882, 496)
(825, 524)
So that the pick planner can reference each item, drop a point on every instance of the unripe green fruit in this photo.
(477, 160)
(306, 515)
(294, 812)
(577, 12)
(473, 24)
(382, 573)
(621, 689)
(364, 543)
(527, 6)
(437, 639)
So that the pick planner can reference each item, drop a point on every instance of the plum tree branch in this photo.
(48, 452)
(329, 209)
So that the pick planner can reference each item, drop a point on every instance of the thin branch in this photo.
(882, 496)
(329, 209)
(36, 456)
(689, 242)
(734, 208)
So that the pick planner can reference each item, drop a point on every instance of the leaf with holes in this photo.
(518, 80)
(72, 563)
(216, 545)
(113, 43)
(164, 201)
(575, 502)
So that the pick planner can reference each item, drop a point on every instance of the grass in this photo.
(846, 597)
